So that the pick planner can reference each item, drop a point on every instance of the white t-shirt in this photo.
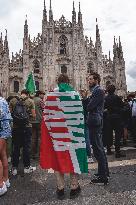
(133, 107)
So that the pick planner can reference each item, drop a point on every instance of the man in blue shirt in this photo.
(95, 110)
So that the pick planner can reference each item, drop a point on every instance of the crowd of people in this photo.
(108, 120)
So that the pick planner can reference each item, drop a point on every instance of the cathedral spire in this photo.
(114, 40)
(120, 50)
(50, 13)
(6, 48)
(109, 56)
(44, 13)
(1, 44)
(50, 5)
(74, 14)
(73, 6)
(98, 45)
(26, 29)
(115, 48)
(1, 37)
(91, 42)
(120, 46)
(79, 16)
(44, 5)
(97, 32)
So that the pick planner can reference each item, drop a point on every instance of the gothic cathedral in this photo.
(61, 48)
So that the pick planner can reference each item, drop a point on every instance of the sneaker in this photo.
(100, 181)
(7, 183)
(3, 189)
(105, 149)
(90, 160)
(14, 171)
(97, 175)
(60, 194)
(29, 169)
(74, 193)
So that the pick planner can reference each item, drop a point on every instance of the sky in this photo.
(115, 18)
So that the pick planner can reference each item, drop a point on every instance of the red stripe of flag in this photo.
(49, 158)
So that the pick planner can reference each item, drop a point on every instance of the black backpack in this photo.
(20, 114)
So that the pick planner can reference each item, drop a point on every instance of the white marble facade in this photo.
(61, 48)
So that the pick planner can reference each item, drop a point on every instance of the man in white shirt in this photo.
(132, 104)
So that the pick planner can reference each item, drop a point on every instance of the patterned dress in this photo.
(5, 119)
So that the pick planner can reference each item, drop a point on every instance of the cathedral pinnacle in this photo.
(6, 49)
(50, 13)
(74, 14)
(1, 37)
(120, 46)
(26, 28)
(44, 5)
(50, 5)
(1, 43)
(79, 16)
(97, 31)
(44, 13)
(109, 56)
(73, 6)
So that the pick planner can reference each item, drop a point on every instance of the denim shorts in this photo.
(4, 137)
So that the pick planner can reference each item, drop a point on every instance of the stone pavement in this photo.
(39, 187)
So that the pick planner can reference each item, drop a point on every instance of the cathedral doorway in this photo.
(36, 66)
(16, 86)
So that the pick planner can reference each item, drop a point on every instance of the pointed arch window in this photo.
(16, 86)
(36, 65)
(63, 43)
(90, 67)
(37, 85)
(63, 69)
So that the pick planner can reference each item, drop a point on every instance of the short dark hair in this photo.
(26, 92)
(111, 89)
(39, 92)
(63, 78)
(96, 76)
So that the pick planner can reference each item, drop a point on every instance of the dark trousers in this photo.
(21, 137)
(114, 124)
(133, 128)
(87, 140)
(36, 131)
(98, 150)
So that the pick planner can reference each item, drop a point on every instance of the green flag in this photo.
(30, 84)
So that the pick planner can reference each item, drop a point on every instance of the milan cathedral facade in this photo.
(61, 48)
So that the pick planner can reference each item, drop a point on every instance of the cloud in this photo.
(7, 6)
(132, 69)
(115, 18)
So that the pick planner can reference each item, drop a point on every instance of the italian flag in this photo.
(63, 145)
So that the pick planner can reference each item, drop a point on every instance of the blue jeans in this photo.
(98, 150)
(87, 140)
(21, 137)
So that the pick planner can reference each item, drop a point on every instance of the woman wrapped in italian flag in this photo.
(63, 145)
